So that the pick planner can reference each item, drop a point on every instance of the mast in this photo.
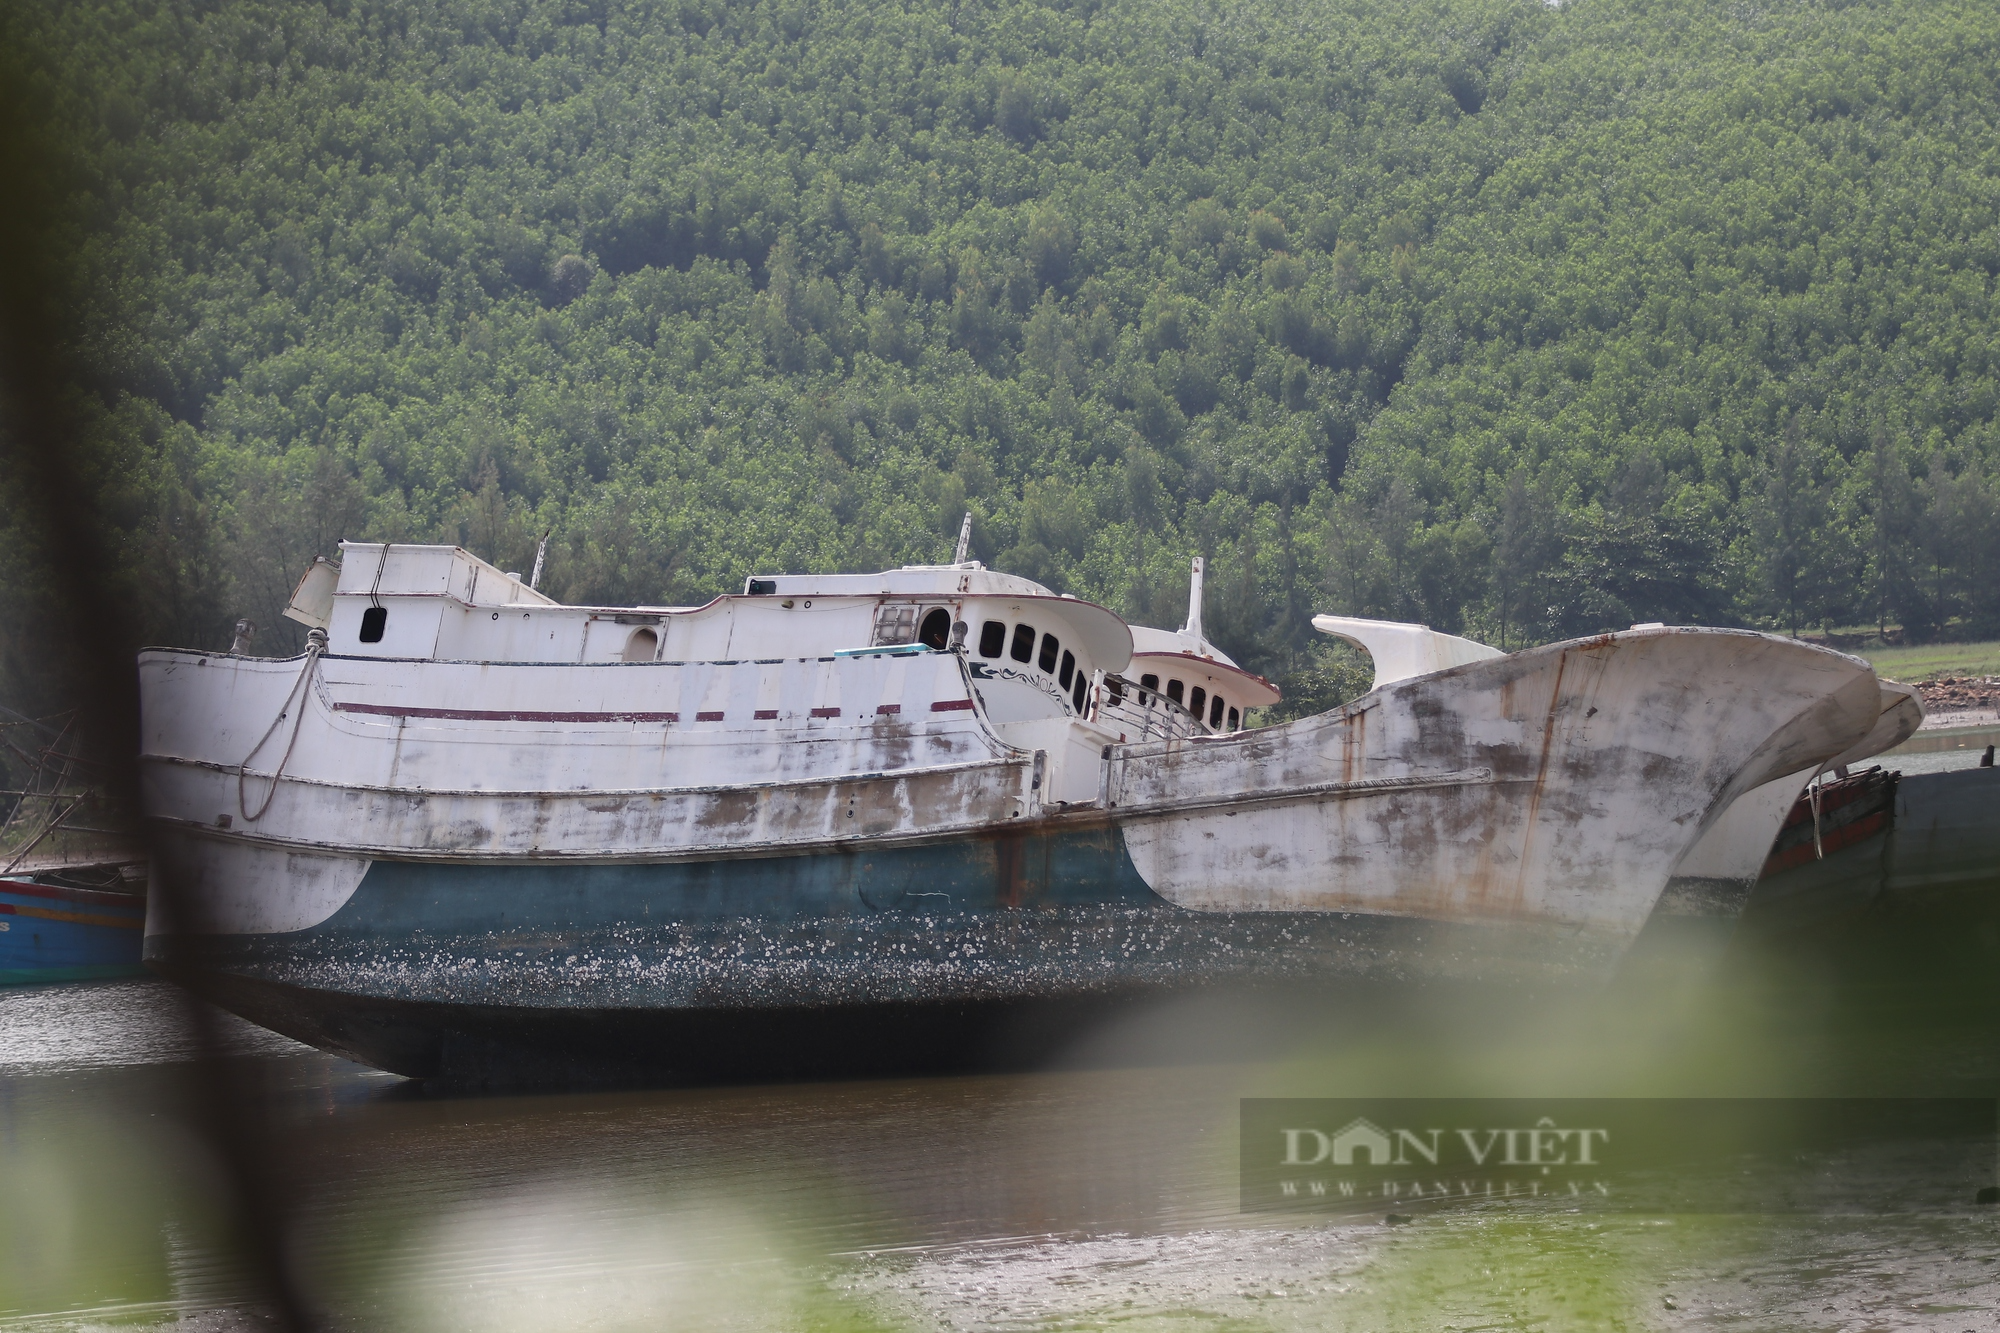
(1193, 626)
(541, 549)
(964, 539)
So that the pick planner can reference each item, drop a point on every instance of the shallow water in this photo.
(1938, 761)
(1100, 1191)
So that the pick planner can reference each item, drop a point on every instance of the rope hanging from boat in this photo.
(315, 644)
(1812, 798)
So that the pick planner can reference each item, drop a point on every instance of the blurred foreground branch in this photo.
(75, 640)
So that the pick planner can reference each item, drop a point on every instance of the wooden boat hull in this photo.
(1896, 839)
(51, 932)
(1717, 876)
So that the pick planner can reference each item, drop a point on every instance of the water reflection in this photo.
(1100, 1189)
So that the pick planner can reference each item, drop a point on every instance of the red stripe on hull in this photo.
(494, 715)
(92, 897)
(1831, 841)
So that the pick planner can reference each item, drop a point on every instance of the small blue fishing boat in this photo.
(51, 931)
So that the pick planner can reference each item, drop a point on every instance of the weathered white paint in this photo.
(1401, 651)
(312, 599)
(1734, 847)
(1196, 662)
(1736, 844)
(1901, 717)
(658, 759)
(247, 888)
(1558, 784)
(1552, 788)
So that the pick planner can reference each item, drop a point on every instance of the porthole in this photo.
(1215, 713)
(1080, 693)
(1148, 686)
(373, 621)
(1024, 643)
(1198, 702)
(1174, 689)
(1235, 720)
(936, 631)
(1050, 647)
(1068, 669)
(992, 639)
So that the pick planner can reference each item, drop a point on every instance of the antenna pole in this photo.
(1193, 625)
(541, 549)
(964, 539)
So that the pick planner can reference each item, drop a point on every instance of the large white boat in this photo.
(473, 830)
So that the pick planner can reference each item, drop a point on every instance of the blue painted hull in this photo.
(55, 933)
(729, 968)
(1023, 870)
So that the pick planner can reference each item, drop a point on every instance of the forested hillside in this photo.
(1522, 321)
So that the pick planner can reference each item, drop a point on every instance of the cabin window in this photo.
(1080, 693)
(1198, 702)
(373, 621)
(894, 623)
(1050, 647)
(1174, 691)
(1116, 688)
(1234, 720)
(936, 632)
(992, 639)
(1024, 643)
(1147, 683)
(1215, 713)
(643, 646)
(1068, 670)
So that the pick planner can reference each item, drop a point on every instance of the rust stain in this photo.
(1528, 825)
(1353, 742)
(1010, 867)
(1023, 853)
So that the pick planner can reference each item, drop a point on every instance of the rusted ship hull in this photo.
(1509, 819)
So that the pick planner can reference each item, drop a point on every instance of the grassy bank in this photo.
(1931, 660)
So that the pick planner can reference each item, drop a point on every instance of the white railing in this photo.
(1143, 714)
